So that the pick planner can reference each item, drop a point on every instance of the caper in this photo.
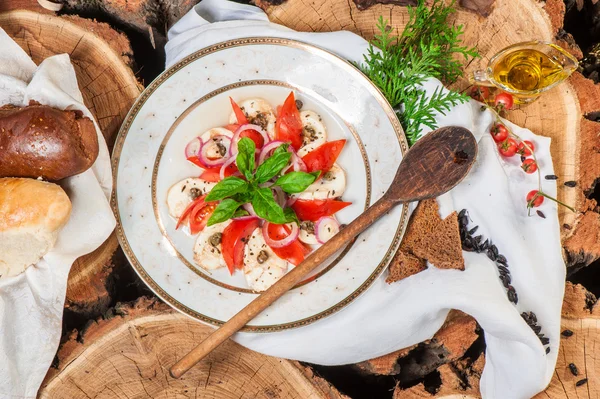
(308, 226)
(222, 149)
(195, 192)
(215, 239)
(262, 256)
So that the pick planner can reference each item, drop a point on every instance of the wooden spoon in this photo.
(433, 166)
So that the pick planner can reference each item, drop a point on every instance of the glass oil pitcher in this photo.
(527, 69)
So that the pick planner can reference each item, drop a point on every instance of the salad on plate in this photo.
(267, 192)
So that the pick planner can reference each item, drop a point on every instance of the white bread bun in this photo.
(32, 212)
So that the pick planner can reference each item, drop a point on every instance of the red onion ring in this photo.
(283, 242)
(291, 201)
(249, 208)
(236, 136)
(279, 195)
(224, 167)
(193, 147)
(326, 222)
(264, 153)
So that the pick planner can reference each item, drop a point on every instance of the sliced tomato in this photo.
(198, 212)
(255, 136)
(288, 126)
(313, 210)
(239, 114)
(214, 174)
(199, 217)
(232, 127)
(293, 253)
(196, 161)
(324, 156)
(234, 238)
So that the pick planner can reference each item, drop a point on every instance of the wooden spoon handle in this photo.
(282, 286)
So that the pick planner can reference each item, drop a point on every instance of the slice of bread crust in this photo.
(428, 238)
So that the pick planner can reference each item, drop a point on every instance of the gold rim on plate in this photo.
(163, 78)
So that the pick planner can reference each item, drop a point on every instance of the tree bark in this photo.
(129, 355)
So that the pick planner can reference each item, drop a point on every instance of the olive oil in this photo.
(528, 70)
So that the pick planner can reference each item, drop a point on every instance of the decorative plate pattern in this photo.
(193, 96)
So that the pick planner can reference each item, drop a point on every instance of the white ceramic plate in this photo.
(191, 97)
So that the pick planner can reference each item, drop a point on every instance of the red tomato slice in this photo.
(255, 136)
(239, 114)
(198, 202)
(234, 238)
(324, 156)
(293, 253)
(288, 126)
(232, 127)
(199, 217)
(214, 174)
(196, 161)
(313, 210)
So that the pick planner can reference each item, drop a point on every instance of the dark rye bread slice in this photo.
(428, 238)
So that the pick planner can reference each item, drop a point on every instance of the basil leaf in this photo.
(224, 211)
(272, 165)
(290, 216)
(239, 213)
(245, 158)
(281, 149)
(296, 182)
(245, 196)
(265, 206)
(227, 187)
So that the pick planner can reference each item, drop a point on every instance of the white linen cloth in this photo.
(389, 317)
(31, 304)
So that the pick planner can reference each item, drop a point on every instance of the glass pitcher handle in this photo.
(480, 78)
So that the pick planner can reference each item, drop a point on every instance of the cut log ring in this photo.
(102, 60)
(558, 114)
(129, 356)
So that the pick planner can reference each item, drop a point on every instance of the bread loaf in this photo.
(41, 141)
(32, 212)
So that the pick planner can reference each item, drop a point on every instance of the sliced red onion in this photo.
(193, 147)
(299, 165)
(267, 149)
(247, 217)
(283, 242)
(291, 201)
(224, 167)
(279, 196)
(236, 136)
(204, 159)
(249, 208)
(325, 228)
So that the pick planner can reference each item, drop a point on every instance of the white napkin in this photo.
(31, 304)
(390, 317)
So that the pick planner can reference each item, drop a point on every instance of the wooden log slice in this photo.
(557, 114)
(129, 356)
(102, 60)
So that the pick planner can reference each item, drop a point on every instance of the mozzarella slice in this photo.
(331, 185)
(313, 132)
(207, 249)
(307, 233)
(262, 267)
(216, 147)
(259, 112)
(181, 194)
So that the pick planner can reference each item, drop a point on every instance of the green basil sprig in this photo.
(233, 191)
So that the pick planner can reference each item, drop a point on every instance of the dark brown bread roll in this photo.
(41, 141)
